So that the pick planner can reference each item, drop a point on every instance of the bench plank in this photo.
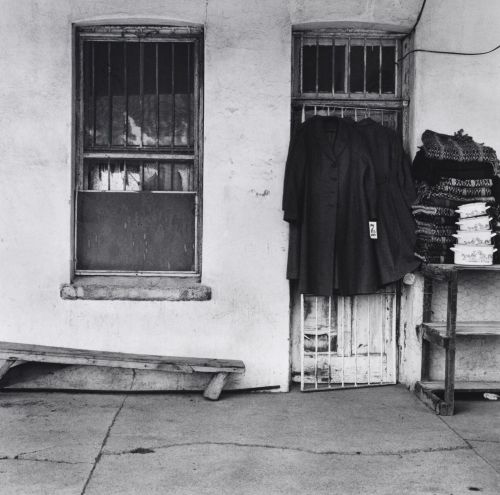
(64, 355)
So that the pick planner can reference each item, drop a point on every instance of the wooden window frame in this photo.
(141, 33)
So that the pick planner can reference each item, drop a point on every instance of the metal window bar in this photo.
(172, 142)
(125, 94)
(157, 79)
(364, 67)
(110, 98)
(316, 346)
(366, 110)
(348, 68)
(380, 69)
(317, 66)
(333, 65)
(93, 95)
(141, 88)
(354, 324)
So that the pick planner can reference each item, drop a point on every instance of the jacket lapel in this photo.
(332, 151)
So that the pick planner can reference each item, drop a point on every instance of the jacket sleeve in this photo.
(293, 190)
(404, 175)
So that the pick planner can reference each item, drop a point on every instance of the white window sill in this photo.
(116, 288)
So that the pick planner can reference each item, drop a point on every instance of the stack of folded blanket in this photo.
(449, 171)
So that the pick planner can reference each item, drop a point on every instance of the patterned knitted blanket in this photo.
(467, 183)
(460, 191)
(459, 147)
(443, 228)
(433, 210)
(453, 203)
(434, 219)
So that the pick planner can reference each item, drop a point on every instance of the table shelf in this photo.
(445, 333)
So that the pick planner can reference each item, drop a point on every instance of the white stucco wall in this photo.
(247, 109)
(454, 92)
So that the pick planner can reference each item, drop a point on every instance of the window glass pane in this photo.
(183, 88)
(388, 68)
(165, 177)
(182, 177)
(340, 68)
(165, 92)
(150, 176)
(325, 69)
(372, 68)
(133, 176)
(357, 67)
(88, 96)
(95, 175)
(309, 69)
(116, 175)
(133, 95)
(117, 94)
(150, 102)
(101, 93)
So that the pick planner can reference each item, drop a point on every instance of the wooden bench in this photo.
(11, 352)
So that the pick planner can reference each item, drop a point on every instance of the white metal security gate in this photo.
(348, 341)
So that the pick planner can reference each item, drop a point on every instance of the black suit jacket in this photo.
(340, 175)
(330, 195)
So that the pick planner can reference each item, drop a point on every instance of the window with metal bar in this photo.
(347, 73)
(138, 173)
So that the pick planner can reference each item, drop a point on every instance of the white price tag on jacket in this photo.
(373, 230)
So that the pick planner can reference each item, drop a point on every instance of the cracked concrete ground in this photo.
(373, 441)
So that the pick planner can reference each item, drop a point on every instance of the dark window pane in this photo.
(149, 97)
(182, 178)
(117, 94)
(165, 177)
(135, 232)
(309, 69)
(181, 68)
(357, 68)
(325, 69)
(88, 97)
(165, 92)
(102, 109)
(182, 85)
(133, 95)
(340, 69)
(150, 176)
(388, 68)
(133, 175)
(372, 68)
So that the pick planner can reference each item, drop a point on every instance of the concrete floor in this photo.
(366, 441)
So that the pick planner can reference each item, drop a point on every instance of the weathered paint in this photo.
(247, 108)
